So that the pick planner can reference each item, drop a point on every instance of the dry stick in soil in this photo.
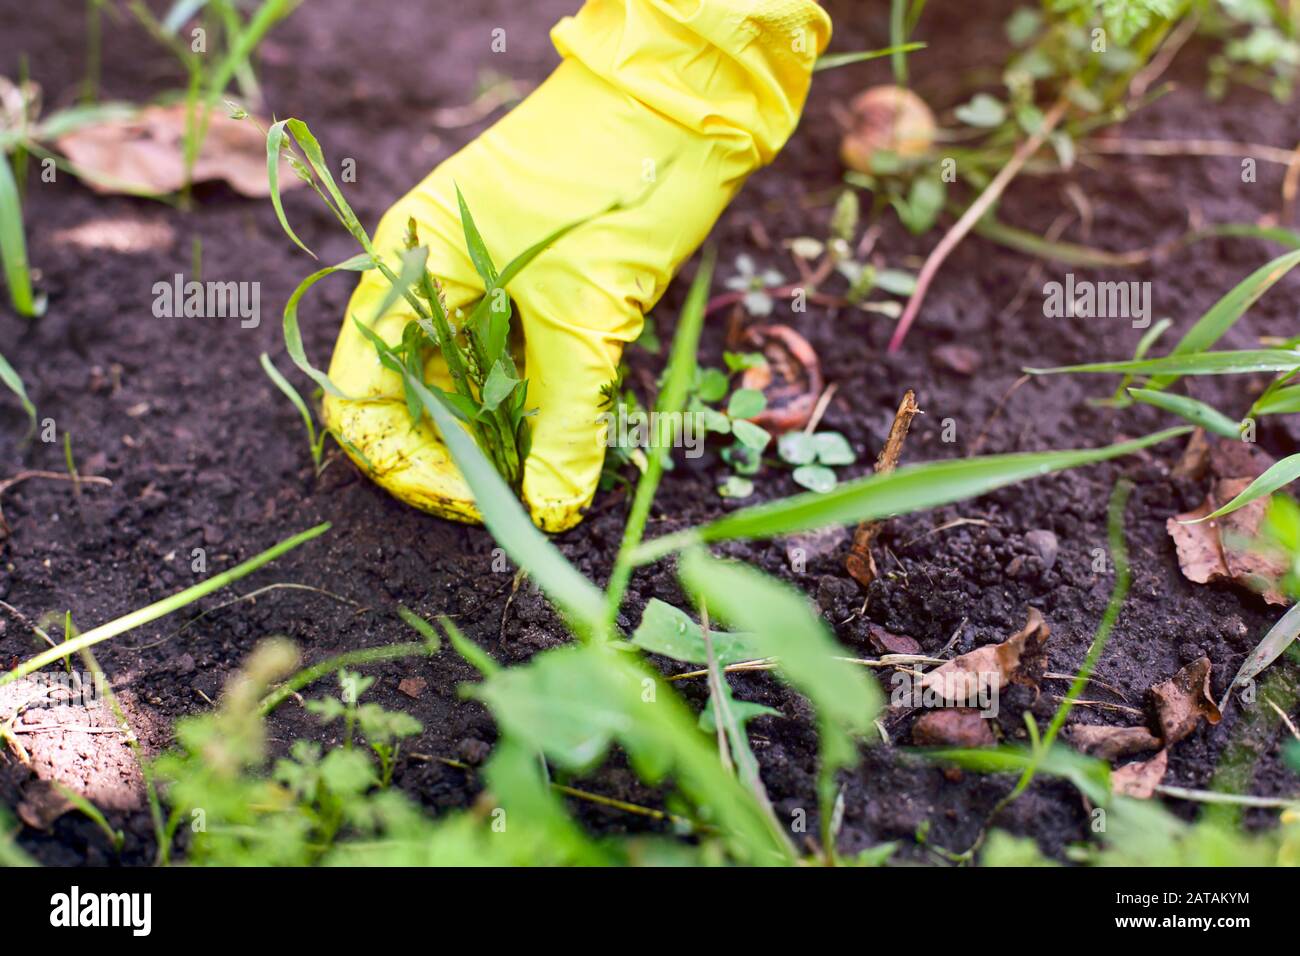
(973, 215)
(22, 476)
(859, 562)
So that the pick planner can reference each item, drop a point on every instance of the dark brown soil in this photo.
(202, 452)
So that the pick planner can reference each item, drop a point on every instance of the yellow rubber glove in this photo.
(676, 100)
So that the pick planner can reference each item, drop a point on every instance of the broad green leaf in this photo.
(833, 449)
(412, 270)
(796, 448)
(1196, 412)
(15, 384)
(712, 385)
(816, 478)
(13, 247)
(670, 631)
(1279, 475)
(478, 251)
(1224, 314)
(750, 435)
(903, 491)
(780, 623)
(983, 111)
(742, 711)
(500, 383)
(293, 335)
(1198, 363)
(746, 403)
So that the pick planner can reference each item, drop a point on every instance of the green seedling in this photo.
(814, 457)
(315, 441)
(215, 53)
(14, 383)
(489, 397)
(383, 730)
(711, 387)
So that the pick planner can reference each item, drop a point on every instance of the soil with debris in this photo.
(203, 452)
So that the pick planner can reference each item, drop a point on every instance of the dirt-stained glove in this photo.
(674, 100)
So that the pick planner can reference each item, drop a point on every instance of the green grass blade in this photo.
(1224, 314)
(1196, 412)
(161, 608)
(1277, 640)
(831, 61)
(1283, 401)
(478, 251)
(1278, 476)
(274, 145)
(291, 393)
(15, 385)
(13, 247)
(579, 599)
(316, 159)
(1199, 363)
(293, 334)
(908, 489)
(671, 399)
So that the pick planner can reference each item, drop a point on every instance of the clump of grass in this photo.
(489, 397)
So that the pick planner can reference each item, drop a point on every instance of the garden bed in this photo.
(203, 452)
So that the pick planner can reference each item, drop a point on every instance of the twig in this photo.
(974, 214)
(78, 481)
(859, 562)
(1189, 147)
(819, 409)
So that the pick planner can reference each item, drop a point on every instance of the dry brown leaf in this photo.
(42, 804)
(1020, 659)
(412, 687)
(1140, 779)
(1110, 743)
(1180, 702)
(1219, 550)
(146, 153)
(886, 642)
(952, 727)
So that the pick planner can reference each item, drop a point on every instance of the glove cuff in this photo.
(719, 67)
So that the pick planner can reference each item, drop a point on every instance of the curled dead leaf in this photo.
(886, 642)
(1110, 743)
(1140, 778)
(952, 727)
(1180, 702)
(1221, 550)
(1021, 659)
(146, 153)
(791, 378)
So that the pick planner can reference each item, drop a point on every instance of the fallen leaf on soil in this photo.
(1021, 658)
(412, 687)
(952, 727)
(886, 642)
(1195, 457)
(1110, 743)
(791, 378)
(1140, 779)
(1220, 550)
(146, 153)
(1180, 702)
(42, 804)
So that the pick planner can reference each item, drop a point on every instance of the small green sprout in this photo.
(814, 456)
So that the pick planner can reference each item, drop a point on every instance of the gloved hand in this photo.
(676, 100)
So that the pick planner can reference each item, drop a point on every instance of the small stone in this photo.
(184, 664)
(952, 727)
(412, 687)
(1044, 544)
(474, 751)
